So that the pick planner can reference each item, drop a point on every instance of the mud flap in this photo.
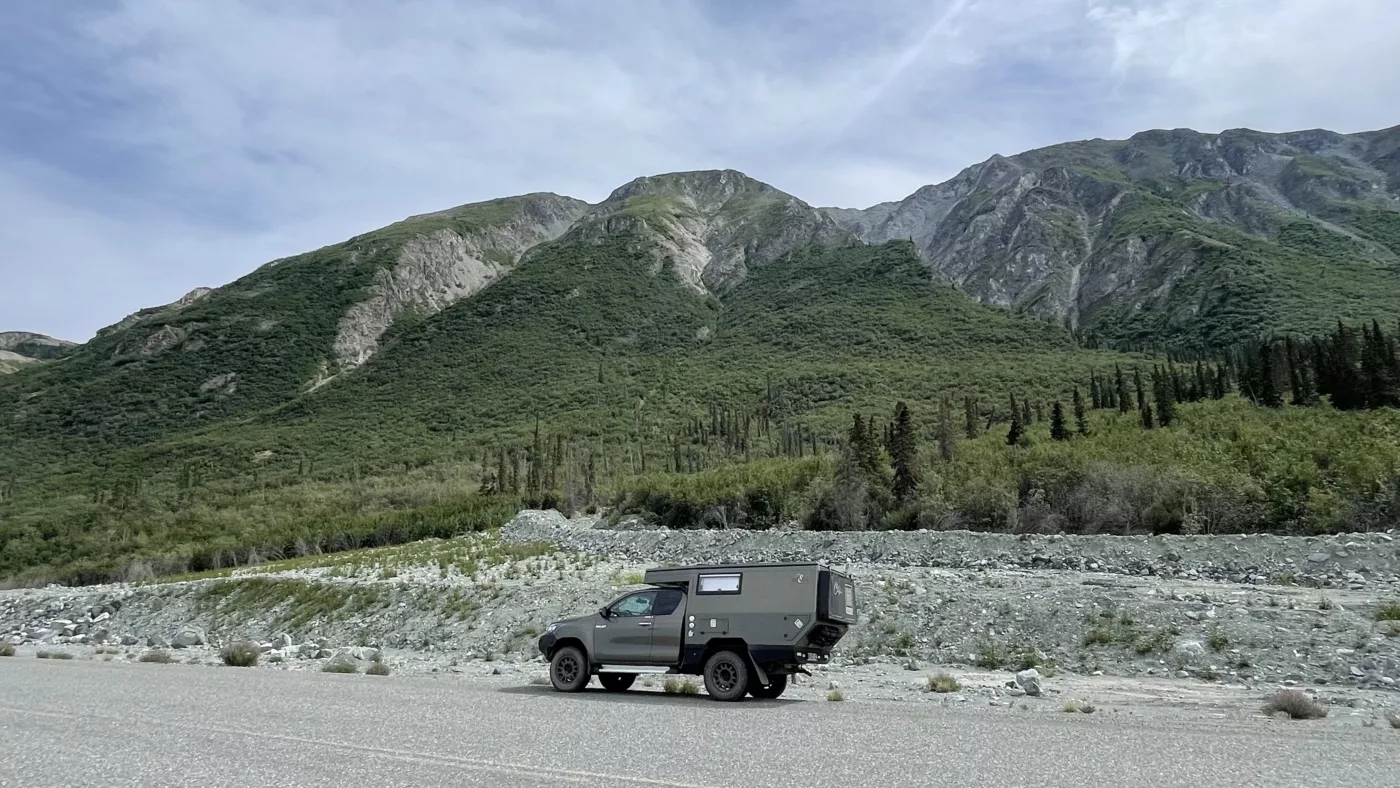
(758, 671)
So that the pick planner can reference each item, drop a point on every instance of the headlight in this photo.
(551, 627)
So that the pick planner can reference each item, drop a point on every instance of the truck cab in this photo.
(744, 627)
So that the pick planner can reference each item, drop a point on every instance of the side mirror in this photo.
(605, 613)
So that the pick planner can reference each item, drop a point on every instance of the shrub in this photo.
(1218, 640)
(942, 683)
(989, 655)
(1393, 717)
(339, 666)
(377, 669)
(1296, 704)
(54, 655)
(1390, 611)
(274, 659)
(540, 681)
(242, 654)
(162, 657)
(836, 696)
(678, 686)
(7, 650)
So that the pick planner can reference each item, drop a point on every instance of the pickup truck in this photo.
(744, 627)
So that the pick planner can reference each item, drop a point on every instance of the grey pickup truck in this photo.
(744, 627)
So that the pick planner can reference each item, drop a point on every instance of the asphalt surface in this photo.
(110, 724)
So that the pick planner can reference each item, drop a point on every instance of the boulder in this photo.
(1029, 680)
(129, 640)
(281, 640)
(189, 635)
(1189, 651)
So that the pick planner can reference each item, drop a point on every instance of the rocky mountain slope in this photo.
(1169, 236)
(19, 349)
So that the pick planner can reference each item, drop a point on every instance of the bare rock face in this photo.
(436, 270)
(711, 226)
(166, 310)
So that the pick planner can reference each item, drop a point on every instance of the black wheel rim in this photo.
(726, 675)
(566, 670)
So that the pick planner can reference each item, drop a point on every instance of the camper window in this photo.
(719, 584)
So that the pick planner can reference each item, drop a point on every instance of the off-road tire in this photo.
(616, 682)
(777, 684)
(568, 670)
(726, 676)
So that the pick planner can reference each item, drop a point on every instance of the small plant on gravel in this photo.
(1218, 641)
(1390, 611)
(836, 696)
(540, 681)
(942, 682)
(377, 669)
(989, 655)
(7, 650)
(54, 655)
(339, 666)
(242, 654)
(1325, 602)
(1296, 704)
(1393, 717)
(677, 686)
(162, 657)
(274, 659)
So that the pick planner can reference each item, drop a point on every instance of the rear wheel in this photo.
(727, 676)
(568, 671)
(777, 683)
(616, 682)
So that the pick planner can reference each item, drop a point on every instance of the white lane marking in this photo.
(475, 764)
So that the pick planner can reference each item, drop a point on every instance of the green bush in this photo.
(377, 669)
(1296, 704)
(942, 682)
(7, 650)
(242, 654)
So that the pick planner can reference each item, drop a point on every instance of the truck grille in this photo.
(823, 636)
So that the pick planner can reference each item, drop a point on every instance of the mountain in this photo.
(356, 393)
(285, 329)
(22, 348)
(1170, 236)
(711, 227)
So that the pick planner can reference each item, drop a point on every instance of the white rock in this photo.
(1029, 680)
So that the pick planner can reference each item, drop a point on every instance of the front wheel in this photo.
(726, 676)
(616, 682)
(568, 671)
(775, 687)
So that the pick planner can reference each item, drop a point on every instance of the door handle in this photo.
(643, 623)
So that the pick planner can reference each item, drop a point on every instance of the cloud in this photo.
(151, 146)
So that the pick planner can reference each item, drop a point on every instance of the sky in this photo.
(148, 147)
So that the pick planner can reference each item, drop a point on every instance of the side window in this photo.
(720, 584)
(667, 600)
(635, 605)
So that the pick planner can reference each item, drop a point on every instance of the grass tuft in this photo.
(1393, 717)
(158, 656)
(942, 683)
(242, 654)
(377, 669)
(7, 650)
(1296, 704)
(1078, 706)
(679, 686)
(54, 655)
(836, 696)
(1390, 611)
(339, 666)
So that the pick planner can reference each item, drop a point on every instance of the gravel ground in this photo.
(474, 607)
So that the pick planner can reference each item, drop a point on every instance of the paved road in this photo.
(109, 724)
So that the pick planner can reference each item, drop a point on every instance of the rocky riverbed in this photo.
(1147, 621)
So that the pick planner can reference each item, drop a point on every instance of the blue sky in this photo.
(148, 147)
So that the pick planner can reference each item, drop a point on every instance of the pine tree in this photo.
(1081, 422)
(1017, 429)
(1120, 390)
(945, 430)
(904, 456)
(1027, 417)
(970, 415)
(1137, 383)
(1380, 376)
(1146, 412)
(1095, 397)
(1269, 395)
(1058, 431)
(1164, 395)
